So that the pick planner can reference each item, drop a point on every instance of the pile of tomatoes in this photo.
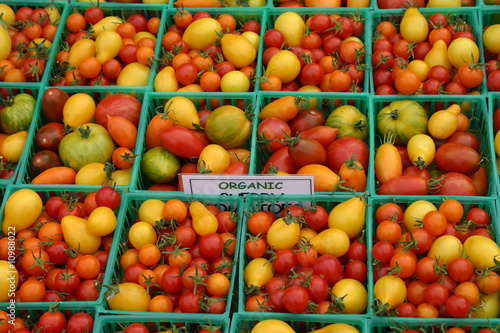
(496, 130)
(441, 327)
(99, 48)
(27, 34)
(71, 149)
(323, 53)
(206, 54)
(61, 245)
(440, 154)
(434, 54)
(210, 139)
(179, 258)
(492, 54)
(164, 326)
(294, 263)
(301, 140)
(322, 3)
(435, 260)
(53, 320)
(277, 325)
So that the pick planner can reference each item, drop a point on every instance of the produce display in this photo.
(204, 52)
(389, 108)
(435, 259)
(297, 138)
(431, 53)
(62, 243)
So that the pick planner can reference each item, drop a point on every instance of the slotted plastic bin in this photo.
(63, 8)
(127, 217)
(392, 324)
(243, 323)
(46, 192)
(158, 323)
(325, 103)
(208, 101)
(306, 12)
(277, 204)
(12, 91)
(488, 204)
(122, 11)
(97, 93)
(466, 14)
(479, 125)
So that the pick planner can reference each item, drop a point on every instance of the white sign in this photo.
(247, 184)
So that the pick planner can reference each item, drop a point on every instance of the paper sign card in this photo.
(247, 184)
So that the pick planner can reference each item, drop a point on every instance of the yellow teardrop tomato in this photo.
(414, 26)
(463, 50)
(238, 50)
(107, 45)
(234, 81)
(438, 55)
(258, 272)
(272, 325)
(491, 38)
(416, 211)
(348, 216)
(54, 15)
(134, 74)
(332, 241)
(356, 296)
(442, 124)
(91, 174)
(204, 221)
(165, 80)
(421, 149)
(140, 234)
(151, 211)
(79, 109)
(102, 221)
(82, 49)
(213, 159)
(292, 26)
(445, 249)
(22, 209)
(183, 112)
(106, 24)
(77, 234)
(201, 33)
(481, 251)
(8, 281)
(391, 290)
(283, 233)
(131, 297)
(284, 65)
(13, 145)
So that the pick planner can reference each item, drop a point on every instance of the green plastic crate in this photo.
(243, 323)
(127, 217)
(156, 100)
(158, 323)
(467, 14)
(31, 315)
(306, 12)
(46, 192)
(489, 4)
(325, 103)
(241, 15)
(63, 8)
(110, 9)
(97, 93)
(493, 104)
(277, 204)
(442, 324)
(13, 90)
(488, 204)
(479, 121)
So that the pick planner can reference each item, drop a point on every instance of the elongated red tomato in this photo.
(457, 157)
(480, 179)
(304, 151)
(280, 159)
(182, 142)
(270, 131)
(405, 185)
(453, 183)
(323, 134)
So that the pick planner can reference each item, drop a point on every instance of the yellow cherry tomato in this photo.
(151, 211)
(213, 159)
(91, 174)
(134, 74)
(258, 272)
(235, 81)
(141, 233)
(102, 221)
(284, 65)
(21, 210)
(204, 221)
(13, 145)
(131, 297)
(356, 296)
(79, 109)
(420, 68)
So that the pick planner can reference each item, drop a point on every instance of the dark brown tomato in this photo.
(53, 103)
(49, 136)
(44, 160)
(307, 119)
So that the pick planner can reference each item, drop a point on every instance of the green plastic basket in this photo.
(486, 3)
(306, 12)
(241, 15)
(127, 217)
(479, 121)
(31, 315)
(158, 100)
(46, 192)
(324, 102)
(120, 10)
(63, 8)
(97, 93)
(442, 324)
(467, 14)
(277, 204)
(158, 323)
(301, 324)
(488, 204)
(13, 90)
(493, 104)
